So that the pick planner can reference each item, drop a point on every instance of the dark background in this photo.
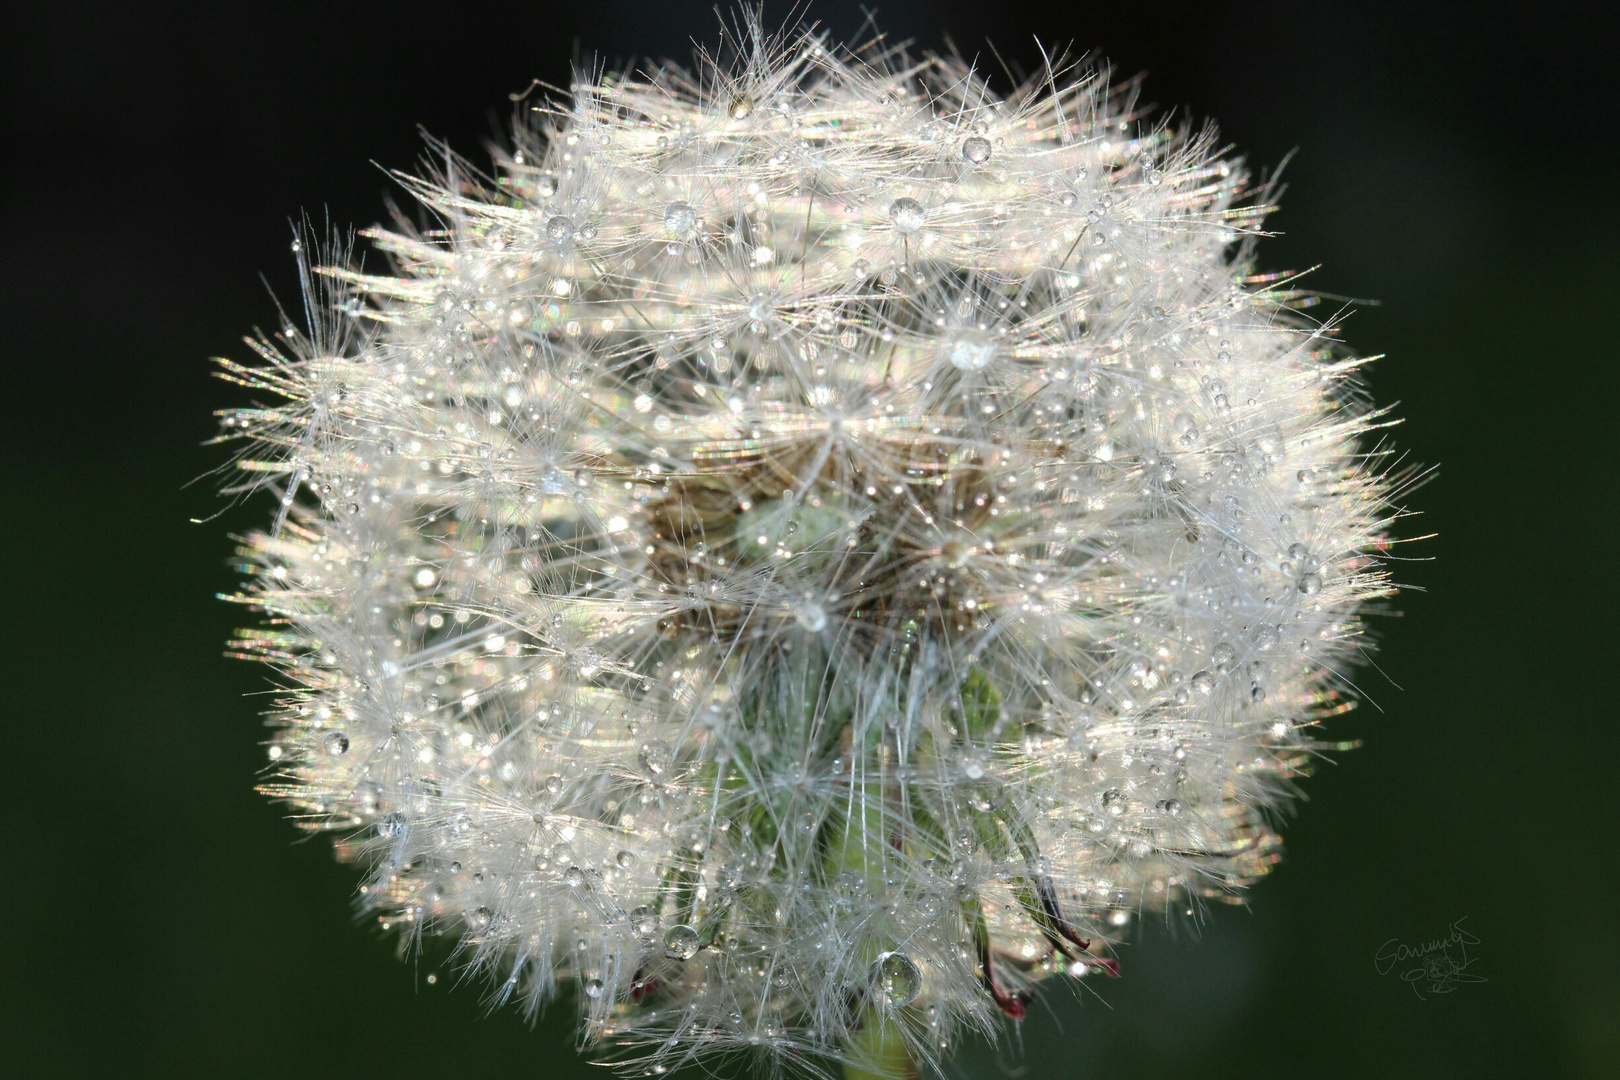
(158, 918)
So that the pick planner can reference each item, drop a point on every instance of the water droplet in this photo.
(656, 756)
(741, 106)
(680, 219)
(392, 826)
(812, 617)
(586, 662)
(573, 877)
(559, 227)
(1257, 694)
(955, 554)
(1171, 807)
(907, 215)
(554, 784)
(681, 943)
(1224, 656)
(1310, 584)
(846, 887)
(480, 918)
(644, 921)
(625, 859)
(897, 979)
(1113, 801)
(582, 478)
(976, 148)
(593, 988)
(1092, 823)
(1068, 199)
(336, 743)
(969, 352)
(1203, 682)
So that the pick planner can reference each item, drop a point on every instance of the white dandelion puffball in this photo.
(807, 550)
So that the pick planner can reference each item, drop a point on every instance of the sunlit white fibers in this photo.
(807, 550)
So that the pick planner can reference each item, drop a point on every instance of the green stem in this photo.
(879, 1051)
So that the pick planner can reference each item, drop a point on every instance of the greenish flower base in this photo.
(879, 1052)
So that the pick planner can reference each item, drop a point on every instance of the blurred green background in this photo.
(159, 918)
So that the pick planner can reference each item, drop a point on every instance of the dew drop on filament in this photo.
(969, 352)
(680, 219)
(681, 943)
(907, 215)
(812, 616)
(644, 921)
(976, 148)
(898, 981)
(656, 756)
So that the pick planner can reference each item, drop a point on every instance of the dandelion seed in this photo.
(838, 601)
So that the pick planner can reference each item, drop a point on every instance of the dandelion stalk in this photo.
(879, 1051)
(805, 551)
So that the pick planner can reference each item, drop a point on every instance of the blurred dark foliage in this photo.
(1457, 165)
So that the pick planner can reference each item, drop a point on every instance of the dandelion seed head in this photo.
(808, 547)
